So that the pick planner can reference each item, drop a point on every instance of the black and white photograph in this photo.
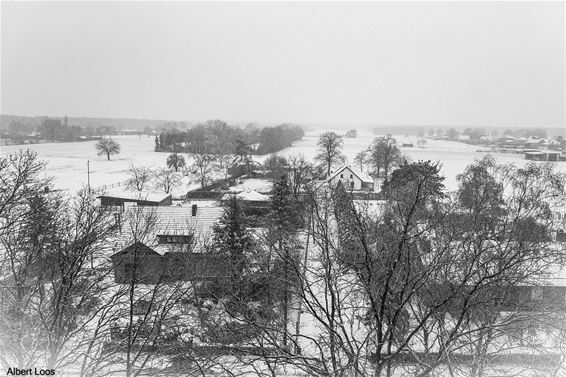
(283, 188)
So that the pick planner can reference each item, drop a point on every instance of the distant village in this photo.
(534, 148)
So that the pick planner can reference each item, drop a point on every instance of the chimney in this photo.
(118, 221)
(194, 210)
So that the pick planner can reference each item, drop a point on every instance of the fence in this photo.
(111, 186)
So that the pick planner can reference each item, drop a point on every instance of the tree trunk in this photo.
(285, 297)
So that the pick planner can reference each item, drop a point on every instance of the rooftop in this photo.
(363, 176)
(150, 196)
(250, 196)
(146, 223)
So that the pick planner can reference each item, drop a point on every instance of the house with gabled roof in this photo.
(138, 263)
(352, 179)
(170, 244)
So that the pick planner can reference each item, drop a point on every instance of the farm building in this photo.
(546, 294)
(542, 155)
(138, 263)
(171, 226)
(352, 179)
(157, 243)
(152, 265)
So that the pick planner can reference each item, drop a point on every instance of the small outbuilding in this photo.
(123, 198)
(542, 155)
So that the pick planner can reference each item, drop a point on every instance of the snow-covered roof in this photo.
(362, 176)
(555, 276)
(144, 223)
(261, 185)
(250, 196)
(174, 220)
(150, 196)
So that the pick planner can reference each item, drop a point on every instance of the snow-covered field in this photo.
(453, 156)
(67, 162)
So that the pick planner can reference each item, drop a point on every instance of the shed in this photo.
(121, 198)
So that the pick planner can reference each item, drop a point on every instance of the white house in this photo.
(352, 179)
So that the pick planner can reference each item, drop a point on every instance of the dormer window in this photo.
(536, 293)
(174, 239)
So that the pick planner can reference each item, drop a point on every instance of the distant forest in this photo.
(218, 137)
(118, 124)
(22, 129)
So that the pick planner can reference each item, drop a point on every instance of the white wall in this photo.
(347, 178)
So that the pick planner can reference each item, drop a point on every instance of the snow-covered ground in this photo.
(253, 184)
(453, 156)
(67, 162)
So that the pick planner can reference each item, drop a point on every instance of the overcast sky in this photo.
(444, 63)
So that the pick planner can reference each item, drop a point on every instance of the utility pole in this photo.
(88, 174)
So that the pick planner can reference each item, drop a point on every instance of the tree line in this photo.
(217, 137)
(54, 130)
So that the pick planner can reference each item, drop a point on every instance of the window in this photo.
(351, 176)
(351, 185)
(536, 293)
(341, 175)
(141, 307)
(128, 269)
(175, 239)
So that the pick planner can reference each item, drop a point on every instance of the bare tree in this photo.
(301, 174)
(276, 166)
(418, 287)
(383, 153)
(203, 167)
(19, 179)
(224, 161)
(139, 178)
(107, 147)
(175, 161)
(166, 180)
(329, 150)
(361, 159)
(53, 280)
(243, 152)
